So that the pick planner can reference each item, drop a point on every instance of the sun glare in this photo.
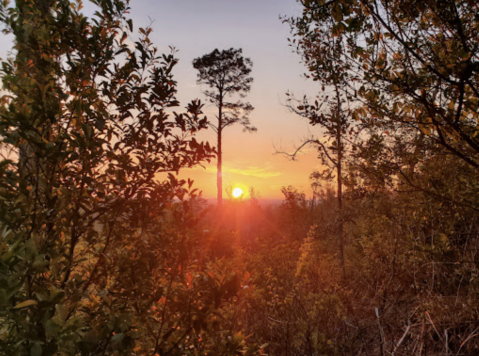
(237, 192)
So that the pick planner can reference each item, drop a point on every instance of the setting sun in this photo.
(237, 192)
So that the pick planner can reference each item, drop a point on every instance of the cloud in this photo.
(257, 172)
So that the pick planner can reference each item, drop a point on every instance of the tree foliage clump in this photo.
(406, 73)
(411, 75)
(97, 238)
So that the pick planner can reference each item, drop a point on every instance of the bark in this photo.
(219, 174)
(340, 185)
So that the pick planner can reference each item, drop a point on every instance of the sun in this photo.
(237, 192)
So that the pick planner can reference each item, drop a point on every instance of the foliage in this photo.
(227, 73)
(406, 74)
(103, 251)
(97, 243)
(409, 284)
(410, 73)
(294, 214)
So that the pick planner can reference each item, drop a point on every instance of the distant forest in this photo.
(105, 251)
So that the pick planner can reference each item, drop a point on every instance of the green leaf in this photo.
(116, 340)
(52, 328)
(36, 350)
(337, 13)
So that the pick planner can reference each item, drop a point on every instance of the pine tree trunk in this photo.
(340, 217)
(219, 174)
(340, 186)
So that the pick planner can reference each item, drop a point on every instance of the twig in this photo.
(401, 340)
(465, 341)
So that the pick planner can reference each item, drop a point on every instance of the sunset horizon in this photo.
(224, 178)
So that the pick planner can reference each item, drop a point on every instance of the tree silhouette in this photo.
(86, 115)
(226, 73)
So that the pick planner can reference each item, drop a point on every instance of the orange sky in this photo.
(255, 27)
(195, 28)
(249, 159)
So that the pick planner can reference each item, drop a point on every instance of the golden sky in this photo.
(195, 28)
(249, 159)
(251, 162)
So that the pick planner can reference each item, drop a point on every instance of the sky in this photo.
(197, 27)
